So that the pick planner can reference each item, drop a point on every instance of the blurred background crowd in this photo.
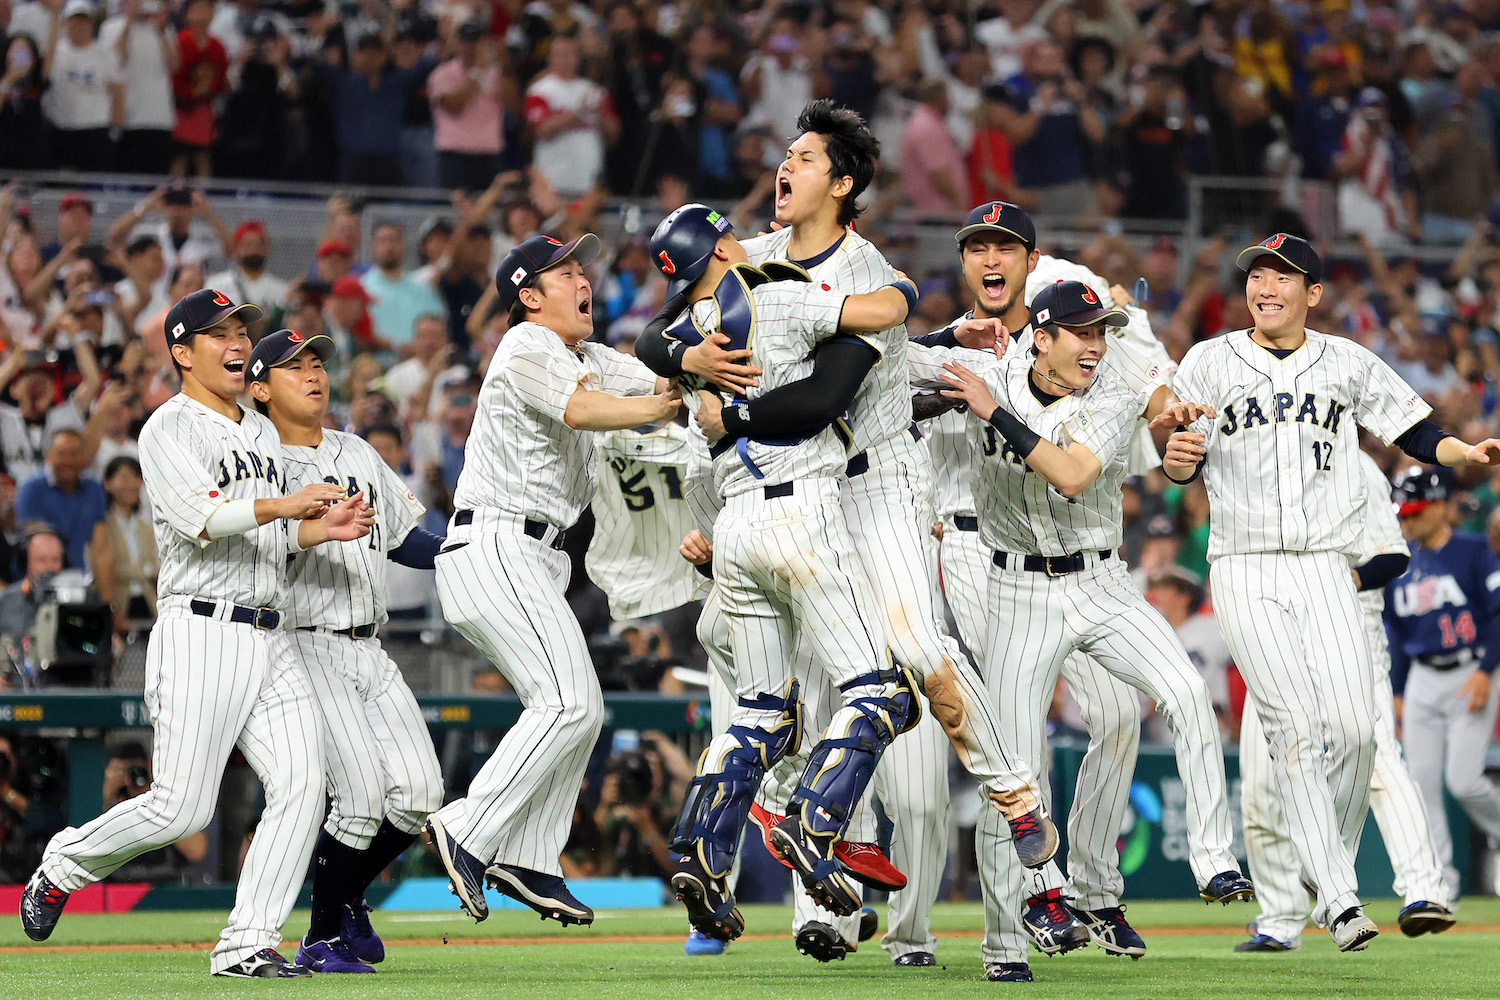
(359, 169)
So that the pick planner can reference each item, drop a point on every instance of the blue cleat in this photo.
(1226, 887)
(699, 943)
(355, 928)
(1109, 930)
(329, 956)
(465, 871)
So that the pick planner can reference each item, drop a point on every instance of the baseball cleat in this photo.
(821, 875)
(869, 922)
(1051, 924)
(699, 943)
(1108, 929)
(710, 904)
(767, 821)
(1352, 930)
(329, 956)
(465, 871)
(355, 928)
(1226, 887)
(822, 942)
(1035, 837)
(869, 864)
(265, 964)
(1422, 917)
(1265, 942)
(41, 906)
(1009, 972)
(916, 959)
(546, 894)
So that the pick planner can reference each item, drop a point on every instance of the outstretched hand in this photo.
(1181, 414)
(349, 519)
(970, 388)
(731, 369)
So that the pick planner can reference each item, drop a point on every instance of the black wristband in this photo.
(736, 420)
(1022, 438)
(907, 292)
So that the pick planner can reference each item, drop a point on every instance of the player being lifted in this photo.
(1280, 460)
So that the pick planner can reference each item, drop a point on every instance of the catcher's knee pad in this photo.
(841, 766)
(718, 801)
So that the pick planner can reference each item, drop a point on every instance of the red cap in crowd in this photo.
(250, 226)
(76, 199)
(348, 287)
(332, 247)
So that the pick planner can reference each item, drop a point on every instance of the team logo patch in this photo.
(519, 276)
(257, 368)
(1043, 316)
(178, 330)
(667, 267)
(294, 336)
(1274, 243)
(994, 215)
(556, 243)
(1089, 296)
(220, 300)
(718, 221)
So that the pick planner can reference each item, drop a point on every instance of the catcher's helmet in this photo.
(684, 241)
(1417, 488)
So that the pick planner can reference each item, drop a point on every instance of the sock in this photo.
(335, 870)
(389, 844)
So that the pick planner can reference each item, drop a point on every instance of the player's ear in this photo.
(260, 392)
(1032, 259)
(1314, 294)
(842, 186)
(183, 354)
(535, 293)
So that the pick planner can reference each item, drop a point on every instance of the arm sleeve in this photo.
(234, 517)
(1381, 570)
(1420, 441)
(1400, 662)
(417, 549)
(660, 349)
(940, 338)
(810, 404)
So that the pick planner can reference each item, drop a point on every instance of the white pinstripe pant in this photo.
(380, 758)
(1035, 623)
(1394, 799)
(212, 686)
(1292, 621)
(1111, 711)
(503, 591)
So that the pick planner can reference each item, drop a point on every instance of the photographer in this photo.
(632, 817)
(27, 426)
(13, 808)
(126, 776)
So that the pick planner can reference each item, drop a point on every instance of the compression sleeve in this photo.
(810, 404)
(1421, 440)
(234, 517)
(1381, 570)
(417, 549)
(652, 346)
(942, 338)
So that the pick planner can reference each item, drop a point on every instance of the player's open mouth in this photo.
(1270, 307)
(235, 367)
(586, 307)
(1088, 366)
(783, 192)
(994, 283)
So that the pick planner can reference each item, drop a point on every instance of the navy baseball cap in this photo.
(536, 255)
(1417, 488)
(282, 346)
(1291, 250)
(1072, 303)
(683, 243)
(203, 309)
(998, 217)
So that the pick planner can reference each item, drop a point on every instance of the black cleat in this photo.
(546, 894)
(916, 959)
(265, 964)
(1109, 930)
(1009, 972)
(465, 871)
(710, 904)
(1052, 925)
(1423, 917)
(822, 942)
(869, 922)
(821, 874)
(41, 906)
(1226, 887)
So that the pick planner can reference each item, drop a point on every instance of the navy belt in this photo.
(536, 529)
(780, 490)
(1051, 565)
(964, 522)
(860, 464)
(357, 632)
(266, 618)
(1462, 658)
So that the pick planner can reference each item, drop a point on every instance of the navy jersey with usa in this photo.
(1445, 609)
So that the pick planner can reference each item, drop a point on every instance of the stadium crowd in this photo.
(535, 114)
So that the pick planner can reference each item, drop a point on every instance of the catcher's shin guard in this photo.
(841, 766)
(719, 799)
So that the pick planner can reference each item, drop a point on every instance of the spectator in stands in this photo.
(23, 81)
(410, 382)
(145, 44)
(932, 166)
(334, 259)
(254, 131)
(397, 298)
(438, 440)
(465, 279)
(635, 67)
(369, 102)
(75, 227)
(718, 106)
(432, 242)
(780, 78)
(14, 805)
(84, 100)
(181, 242)
(1153, 134)
(1178, 595)
(116, 413)
(246, 279)
(631, 817)
(131, 540)
(144, 286)
(467, 94)
(1052, 132)
(42, 555)
(1007, 36)
(1456, 174)
(75, 505)
(409, 592)
(346, 317)
(572, 120)
(1376, 198)
(241, 22)
(199, 80)
(1323, 115)
(28, 426)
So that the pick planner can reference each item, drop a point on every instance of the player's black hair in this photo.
(518, 308)
(393, 430)
(852, 149)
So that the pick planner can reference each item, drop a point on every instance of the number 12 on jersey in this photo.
(1323, 455)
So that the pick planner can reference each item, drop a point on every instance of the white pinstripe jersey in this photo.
(1382, 532)
(192, 461)
(791, 318)
(882, 407)
(1282, 469)
(1018, 510)
(521, 457)
(641, 514)
(339, 585)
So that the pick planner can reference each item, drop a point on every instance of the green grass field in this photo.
(638, 954)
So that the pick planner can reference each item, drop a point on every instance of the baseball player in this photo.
(1281, 465)
(215, 679)
(1380, 556)
(1443, 616)
(1056, 585)
(528, 473)
(383, 774)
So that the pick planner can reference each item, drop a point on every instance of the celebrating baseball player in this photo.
(780, 556)
(1051, 515)
(1380, 556)
(383, 775)
(501, 575)
(215, 677)
(1443, 616)
(1280, 460)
